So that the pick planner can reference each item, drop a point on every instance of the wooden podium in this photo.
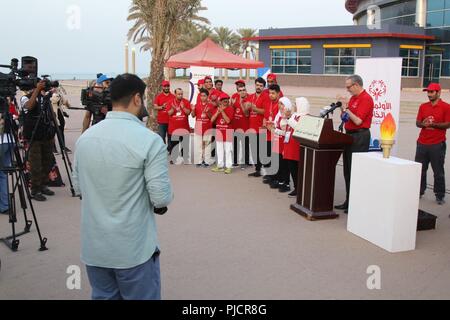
(320, 150)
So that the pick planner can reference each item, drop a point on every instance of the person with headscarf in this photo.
(291, 152)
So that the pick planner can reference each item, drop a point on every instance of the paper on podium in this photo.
(384, 201)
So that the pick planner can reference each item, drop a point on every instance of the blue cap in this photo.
(103, 78)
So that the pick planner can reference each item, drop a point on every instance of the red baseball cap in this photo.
(165, 83)
(223, 96)
(272, 77)
(201, 81)
(433, 87)
(240, 82)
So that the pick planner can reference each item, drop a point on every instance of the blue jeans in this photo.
(5, 156)
(139, 283)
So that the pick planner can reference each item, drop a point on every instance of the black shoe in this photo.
(38, 197)
(269, 178)
(275, 184)
(256, 174)
(284, 188)
(46, 191)
(293, 194)
(342, 207)
(440, 201)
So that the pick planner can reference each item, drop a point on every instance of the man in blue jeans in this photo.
(121, 172)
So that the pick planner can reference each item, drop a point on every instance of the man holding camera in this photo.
(122, 174)
(101, 84)
(39, 132)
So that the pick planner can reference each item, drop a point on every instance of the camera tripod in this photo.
(47, 108)
(16, 183)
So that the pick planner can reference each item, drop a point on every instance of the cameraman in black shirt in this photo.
(39, 131)
(99, 114)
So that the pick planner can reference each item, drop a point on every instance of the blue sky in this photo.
(39, 28)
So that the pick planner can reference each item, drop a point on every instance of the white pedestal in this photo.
(384, 201)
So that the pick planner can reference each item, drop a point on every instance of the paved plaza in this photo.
(231, 237)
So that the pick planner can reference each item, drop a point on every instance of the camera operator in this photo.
(39, 131)
(102, 83)
(59, 105)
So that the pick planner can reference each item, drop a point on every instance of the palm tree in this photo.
(246, 33)
(157, 28)
(227, 39)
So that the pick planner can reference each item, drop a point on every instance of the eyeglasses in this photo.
(348, 87)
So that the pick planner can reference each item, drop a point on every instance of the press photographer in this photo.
(97, 101)
(39, 131)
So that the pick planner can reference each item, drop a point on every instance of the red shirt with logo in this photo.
(291, 145)
(362, 106)
(224, 130)
(179, 119)
(256, 119)
(440, 113)
(271, 111)
(202, 121)
(160, 100)
(240, 122)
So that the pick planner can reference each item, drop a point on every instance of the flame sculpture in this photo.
(388, 131)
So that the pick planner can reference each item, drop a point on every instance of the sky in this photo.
(89, 36)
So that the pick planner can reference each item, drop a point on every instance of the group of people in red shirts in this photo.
(231, 131)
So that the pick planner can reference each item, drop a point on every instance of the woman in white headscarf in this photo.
(291, 152)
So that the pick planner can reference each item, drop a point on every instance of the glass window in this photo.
(411, 58)
(345, 62)
(435, 5)
(277, 69)
(332, 52)
(304, 69)
(291, 61)
(277, 53)
(435, 19)
(445, 68)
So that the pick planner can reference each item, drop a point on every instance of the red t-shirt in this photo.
(202, 122)
(13, 110)
(240, 120)
(179, 119)
(224, 131)
(440, 113)
(255, 119)
(160, 100)
(271, 111)
(362, 106)
(291, 145)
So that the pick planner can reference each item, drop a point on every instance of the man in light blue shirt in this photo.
(121, 172)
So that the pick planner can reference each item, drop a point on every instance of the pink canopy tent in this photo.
(209, 54)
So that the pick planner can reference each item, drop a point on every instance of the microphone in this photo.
(329, 110)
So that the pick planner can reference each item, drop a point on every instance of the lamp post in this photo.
(133, 60)
(248, 51)
(126, 58)
(227, 47)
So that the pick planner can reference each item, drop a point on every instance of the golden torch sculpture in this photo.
(388, 131)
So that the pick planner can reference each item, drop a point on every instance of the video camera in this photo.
(91, 98)
(25, 78)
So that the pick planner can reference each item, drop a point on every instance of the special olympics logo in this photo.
(378, 89)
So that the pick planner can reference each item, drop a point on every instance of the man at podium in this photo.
(357, 113)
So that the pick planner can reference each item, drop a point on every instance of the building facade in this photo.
(416, 30)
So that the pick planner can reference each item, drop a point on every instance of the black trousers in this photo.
(293, 171)
(435, 155)
(361, 143)
(282, 173)
(241, 138)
